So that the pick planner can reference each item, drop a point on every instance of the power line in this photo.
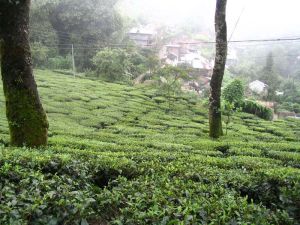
(82, 48)
(274, 56)
(245, 41)
(64, 35)
(294, 38)
(237, 22)
(239, 42)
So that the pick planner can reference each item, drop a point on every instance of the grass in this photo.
(116, 155)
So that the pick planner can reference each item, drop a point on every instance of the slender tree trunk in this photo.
(215, 115)
(26, 117)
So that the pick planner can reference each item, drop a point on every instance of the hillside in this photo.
(116, 155)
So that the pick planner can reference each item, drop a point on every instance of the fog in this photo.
(260, 18)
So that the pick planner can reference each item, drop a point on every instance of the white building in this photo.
(143, 37)
(196, 61)
(279, 93)
(258, 87)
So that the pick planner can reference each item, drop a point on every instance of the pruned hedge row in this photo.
(116, 157)
(257, 109)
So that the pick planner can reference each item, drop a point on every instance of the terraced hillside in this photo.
(117, 156)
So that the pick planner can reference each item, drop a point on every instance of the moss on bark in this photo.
(215, 122)
(27, 122)
(26, 117)
(215, 115)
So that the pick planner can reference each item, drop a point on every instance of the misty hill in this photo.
(117, 155)
(260, 19)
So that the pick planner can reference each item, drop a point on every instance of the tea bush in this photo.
(116, 157)
(257, 109)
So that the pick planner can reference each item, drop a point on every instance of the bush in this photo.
(228, 110)
(170, 81)
(296, 108)
(257, 109)
(109, 143)
(290, 106)
(234, 92)
(112, 64)
(40, 54)
(138, 63)
(60, 63)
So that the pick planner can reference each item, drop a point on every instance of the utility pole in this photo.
(73, 61)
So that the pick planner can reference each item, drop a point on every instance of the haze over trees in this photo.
(63, 23)
(270, 77)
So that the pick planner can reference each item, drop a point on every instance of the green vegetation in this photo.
(28, 126)
(291, 97)
(115, 156)
(87, 24)
(123, 64)
(278, 67)
(234, 92)
(170, 82)
(270, 77)
(257, 109)
(112, 64)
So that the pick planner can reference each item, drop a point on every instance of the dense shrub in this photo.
(112, 64)
(296, 108)
(257, 109)
(293, 107)
(123, 65)
(170, 82)
(48, 58)
(60, 63)
(138, 63)
(234, 92)
(40, 55)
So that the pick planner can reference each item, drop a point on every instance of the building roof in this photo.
(196, 60)
(142, 30)
(257, 86)
(258, 82)
(173, 46)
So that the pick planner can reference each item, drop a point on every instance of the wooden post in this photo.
(73, 62)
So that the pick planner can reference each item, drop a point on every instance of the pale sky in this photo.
(261, 18)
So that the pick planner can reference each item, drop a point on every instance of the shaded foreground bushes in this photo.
(116, 157)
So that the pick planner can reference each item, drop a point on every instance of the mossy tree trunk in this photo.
(26, 117)
(215, 115)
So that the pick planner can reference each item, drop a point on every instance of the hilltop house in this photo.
(186, 52)
(171, 53)
(196, 61)
(176, 54)
(176, 49)
(258, 87)
(143, 37)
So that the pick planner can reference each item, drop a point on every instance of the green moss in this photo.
(26, 118)
(215, 124)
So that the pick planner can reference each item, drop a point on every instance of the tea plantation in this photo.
(117, 156)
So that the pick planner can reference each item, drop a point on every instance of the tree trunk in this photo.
(26, 117)
(215, 115)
